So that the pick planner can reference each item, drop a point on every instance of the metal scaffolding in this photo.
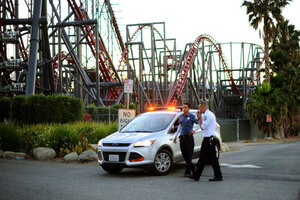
(77, 48)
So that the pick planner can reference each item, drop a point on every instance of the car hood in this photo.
(129, 137)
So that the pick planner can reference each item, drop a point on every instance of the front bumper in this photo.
(126, 156)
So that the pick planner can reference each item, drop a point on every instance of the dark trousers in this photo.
(208, 155)
(187, 149)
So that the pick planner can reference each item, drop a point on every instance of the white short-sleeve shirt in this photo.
(208, 124)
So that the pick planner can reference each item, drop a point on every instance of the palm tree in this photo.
(265, 11)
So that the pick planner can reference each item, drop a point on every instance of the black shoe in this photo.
(216, 179)
(187, 175)
(194, 178)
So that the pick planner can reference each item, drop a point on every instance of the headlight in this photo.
(100, 143)
(144, 143)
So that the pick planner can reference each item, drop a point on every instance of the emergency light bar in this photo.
(169, 108)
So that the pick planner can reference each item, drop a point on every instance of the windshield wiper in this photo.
(144, 131)
(137, 132)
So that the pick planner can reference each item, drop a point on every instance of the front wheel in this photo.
(113, 169)
(162, 162)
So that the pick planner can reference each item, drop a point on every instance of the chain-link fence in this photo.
(101, 114)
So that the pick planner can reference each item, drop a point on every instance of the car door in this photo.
(197, 137)
(171, 135)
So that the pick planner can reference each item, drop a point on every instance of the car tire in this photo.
(163, 162)
(113, 169)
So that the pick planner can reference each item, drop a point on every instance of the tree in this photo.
(285, 56)
(265, 11)
(266, 100)
(281, 97)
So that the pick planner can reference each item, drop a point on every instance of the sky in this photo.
(185, 20)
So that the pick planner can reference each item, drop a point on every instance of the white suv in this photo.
(147, 141)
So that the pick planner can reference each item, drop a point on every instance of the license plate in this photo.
(113, 157)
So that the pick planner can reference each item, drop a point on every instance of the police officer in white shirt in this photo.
(208, 147)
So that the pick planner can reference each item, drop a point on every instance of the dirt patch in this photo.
(234, 146)
(231, 148)
(273, 140)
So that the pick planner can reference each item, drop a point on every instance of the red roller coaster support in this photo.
(55, 66)
(105, 63)
(188, 62)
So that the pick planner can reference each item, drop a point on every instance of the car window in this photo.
(174, 127)
(149, 122)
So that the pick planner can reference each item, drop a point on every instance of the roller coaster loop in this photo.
(188, 62)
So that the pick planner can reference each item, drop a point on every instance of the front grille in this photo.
(116, 144)
(122, 155)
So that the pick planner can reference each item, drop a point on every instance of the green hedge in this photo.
(16, 138)
(46, 109)
(19, 110)
(54, 109)
(5, 107)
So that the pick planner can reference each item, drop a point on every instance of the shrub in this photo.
(67, 109)
(118, 106)
(76, 109)
(38, 107)
(133, 106)
(61, 136)
(61, 107)
(46, 109)
(94, 131)
(33, 136)
(5, 107)
(19, 110)
(10, 139)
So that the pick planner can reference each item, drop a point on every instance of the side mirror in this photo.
(173, 129)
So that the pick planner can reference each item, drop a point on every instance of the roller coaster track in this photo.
(115, 25)
(125, 54)
(105, 63)
(188, 62)
(133, 37)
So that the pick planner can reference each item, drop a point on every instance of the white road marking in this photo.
(240, 166)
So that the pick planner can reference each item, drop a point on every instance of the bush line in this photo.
(36, 109)
(57, 136)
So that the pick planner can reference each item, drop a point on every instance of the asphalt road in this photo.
(257, 171)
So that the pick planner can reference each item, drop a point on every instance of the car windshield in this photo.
(149, 122)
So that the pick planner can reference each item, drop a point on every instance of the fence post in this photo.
(237, 129)
(108, 114)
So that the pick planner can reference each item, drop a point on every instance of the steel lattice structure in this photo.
(77, 48)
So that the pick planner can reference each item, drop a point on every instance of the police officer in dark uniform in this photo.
(208, 147)
(186, 122)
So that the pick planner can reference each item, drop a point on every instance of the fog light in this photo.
(137, 160)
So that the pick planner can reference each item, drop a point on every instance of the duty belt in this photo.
(185, 136)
